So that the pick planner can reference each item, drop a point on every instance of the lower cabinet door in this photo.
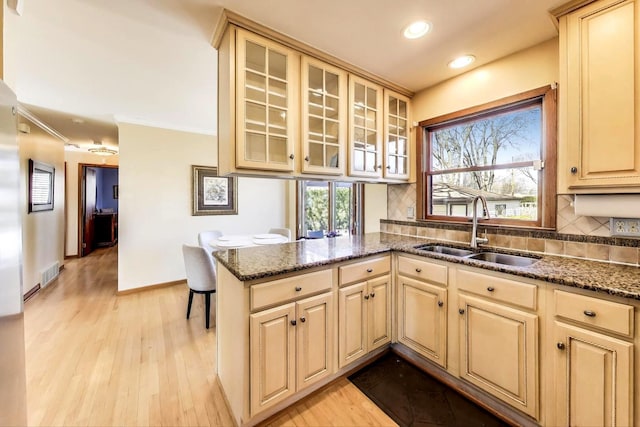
(593, 378)
(352, 323)
(314, 339)
(499, 351)
(422, 318)
(379, 312)
(272, 348)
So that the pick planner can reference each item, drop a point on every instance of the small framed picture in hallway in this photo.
(213, 194)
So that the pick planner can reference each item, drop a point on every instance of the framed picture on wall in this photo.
(41, 180)
(213, 194)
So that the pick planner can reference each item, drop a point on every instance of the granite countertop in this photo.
(270, 260)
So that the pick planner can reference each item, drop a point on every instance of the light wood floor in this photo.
(97, 359)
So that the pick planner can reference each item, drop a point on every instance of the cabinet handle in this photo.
(369, 270)
(574, 170)
(372, 294)
(306, 159)
(293, 322)
(560, 346)
(491, 289)
(379, 166)
(366, 296)
(291, 156)
(298, 288)
(303, 319)
(461, 310)
(440, 303)
(589, 313)
(388, 167)
(418, 270)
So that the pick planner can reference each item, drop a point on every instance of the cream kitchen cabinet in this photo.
(498, 340)
(365, 128)
(324, 117)
(599, 122)
(364, 309)
(593, 369)
(396, 140)
(422, 308)
(291, 348)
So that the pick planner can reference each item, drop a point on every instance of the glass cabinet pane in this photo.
(315, 79)
(397, 129)
(255, 57)
(277, 65)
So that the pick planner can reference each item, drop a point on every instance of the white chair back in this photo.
(206, 237)
(282, 231)
(200, 268)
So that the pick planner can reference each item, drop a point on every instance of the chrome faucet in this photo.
(475, 240)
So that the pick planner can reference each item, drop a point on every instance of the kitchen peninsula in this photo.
(293, 317)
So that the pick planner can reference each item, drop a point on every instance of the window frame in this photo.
(547, 96)
(356, 225)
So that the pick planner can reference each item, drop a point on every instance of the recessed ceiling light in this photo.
(462, 61)
(417, 29)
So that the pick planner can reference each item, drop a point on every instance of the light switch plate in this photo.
(410, 212)
(629, 227)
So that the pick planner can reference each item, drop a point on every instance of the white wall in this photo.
(73, 159)
(42, 232)
(375, 206)
(522, 71)
(155, 203)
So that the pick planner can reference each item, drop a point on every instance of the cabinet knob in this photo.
(372, 294)
(589, 313)
(293, 322)
(440, 303)
(574, 170)
(491, 289)
(298, 288)
(418, 270)
(369, 270)
(461, 310)
(379, 166)
(291, 156)
(306, 159)
(303, 319)
(388, 167)
(560, 346)
(366, 296)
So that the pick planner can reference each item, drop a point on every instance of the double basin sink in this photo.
(487, 256)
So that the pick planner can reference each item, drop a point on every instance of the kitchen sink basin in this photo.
(447, 250)
(504, 259)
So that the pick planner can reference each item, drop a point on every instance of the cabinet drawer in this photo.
(364, 270)
(279, 291)
(595, 312)
(425, 270)
(498, 289)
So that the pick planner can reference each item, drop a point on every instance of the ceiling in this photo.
(151, 62)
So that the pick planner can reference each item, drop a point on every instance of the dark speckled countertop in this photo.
(258, 262)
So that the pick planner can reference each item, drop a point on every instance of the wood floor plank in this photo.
(97, 359)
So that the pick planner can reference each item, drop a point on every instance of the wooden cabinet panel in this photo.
(314, 339)
(600, 136)
(595, 312)
(498, 288)
(272, 356)
(379, 312)
(284, 290)
(499, 351)
(422, 318)
(593, 379)
(396, 141)
(365, 128)
(364, 270)
(423, 270)
(352, 322)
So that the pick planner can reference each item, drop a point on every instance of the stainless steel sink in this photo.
(505, 259)
(447, 250)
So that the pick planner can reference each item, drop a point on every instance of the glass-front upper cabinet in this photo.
(396, 136)
(365, 133)
(266, 95)
(324, 117)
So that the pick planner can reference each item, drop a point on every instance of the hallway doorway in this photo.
(98, 196)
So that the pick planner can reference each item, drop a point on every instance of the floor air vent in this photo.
(50, 274)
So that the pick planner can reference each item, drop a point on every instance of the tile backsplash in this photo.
(576, 236)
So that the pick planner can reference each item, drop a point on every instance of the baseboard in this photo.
(71, 256)
(151, 287)
(31, 292)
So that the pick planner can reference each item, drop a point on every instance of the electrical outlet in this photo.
(625, 227)
(410, 212)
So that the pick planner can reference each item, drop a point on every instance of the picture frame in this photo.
(41, 185)
(213, 194)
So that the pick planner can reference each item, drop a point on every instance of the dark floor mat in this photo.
(412, 398)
